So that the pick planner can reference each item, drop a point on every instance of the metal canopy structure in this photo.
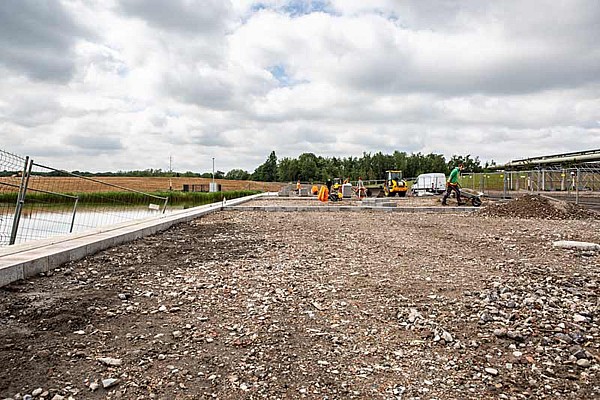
(554, 160)
(565, 175)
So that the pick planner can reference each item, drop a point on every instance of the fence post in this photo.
(543, 180)
(165, 205)
(577, 186)
(20, 200)
(73, 217)
(483, 182)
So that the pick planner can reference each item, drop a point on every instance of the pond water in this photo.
(41, 225)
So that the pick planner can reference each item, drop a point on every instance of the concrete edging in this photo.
(441, 210)
(25, 260)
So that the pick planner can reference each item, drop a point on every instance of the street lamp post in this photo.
(213, 185)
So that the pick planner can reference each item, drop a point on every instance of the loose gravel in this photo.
(409, 201)
(343, 305)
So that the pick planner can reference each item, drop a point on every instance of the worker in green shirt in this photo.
(452, 185)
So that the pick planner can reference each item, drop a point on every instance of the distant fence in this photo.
(38, 201)
(572, 182)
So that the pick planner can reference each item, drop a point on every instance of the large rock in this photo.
(569, 244)
(110, 382)
(113, 362)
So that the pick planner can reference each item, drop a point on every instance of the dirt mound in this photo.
(535, 206)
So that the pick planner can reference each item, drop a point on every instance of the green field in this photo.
(176, 199)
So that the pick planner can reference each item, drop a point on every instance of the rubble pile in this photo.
(535, 206)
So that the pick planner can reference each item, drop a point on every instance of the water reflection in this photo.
(41, 225)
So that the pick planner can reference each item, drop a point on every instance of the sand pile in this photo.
(534, 206)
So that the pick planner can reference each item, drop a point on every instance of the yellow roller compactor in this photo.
(392, 185)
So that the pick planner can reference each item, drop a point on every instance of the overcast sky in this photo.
(103, 85)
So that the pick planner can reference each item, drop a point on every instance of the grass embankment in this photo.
(192, 199)
(109, 199)
(482, 181)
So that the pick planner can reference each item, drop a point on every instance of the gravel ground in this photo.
(307, 305)
(428, 201)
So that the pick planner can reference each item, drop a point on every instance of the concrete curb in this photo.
(29, 259)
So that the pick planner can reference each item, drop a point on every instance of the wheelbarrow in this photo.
(471, 196)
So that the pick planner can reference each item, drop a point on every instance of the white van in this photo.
(428, 184)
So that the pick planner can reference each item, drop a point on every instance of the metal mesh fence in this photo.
(38, 201)
(575, 183)
(12, 167)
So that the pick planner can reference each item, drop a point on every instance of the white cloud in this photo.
(104, 85)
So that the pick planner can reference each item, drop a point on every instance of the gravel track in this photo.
(327, 306)
(429, 201)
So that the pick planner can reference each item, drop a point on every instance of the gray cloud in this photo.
(312, 134)
(32, 110)
(211, 139)
(185, 16)
(519, 72)
(36, 39)
(206, 88)
(94, 143)
(458, 48)
(42, 152)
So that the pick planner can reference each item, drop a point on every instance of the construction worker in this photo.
(452, 185)
(315, 189)
(361, 191)
(298, 187)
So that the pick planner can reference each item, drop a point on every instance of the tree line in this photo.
(309, 167)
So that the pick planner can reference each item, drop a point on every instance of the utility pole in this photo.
(213, 170)
(170, 173)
